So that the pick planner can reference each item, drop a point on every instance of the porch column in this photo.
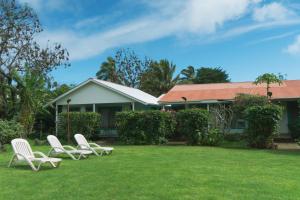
(133, 106)
(207, 107)
(56, 119)
(94, 107)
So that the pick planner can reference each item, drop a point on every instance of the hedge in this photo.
(9, 130)
(144, 127)
(85, 123)
(193, 124)
(263, 123)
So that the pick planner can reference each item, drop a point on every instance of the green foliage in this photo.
(263, 123)
(211, 75)
(268, 78)
(85, 123)
(159, 77)
(9, 130)
(192, 123)
(188, 75)
(108, 71)
(33, 97)
(19, 26)
(244, 101)
(212, 137)
(146, 127)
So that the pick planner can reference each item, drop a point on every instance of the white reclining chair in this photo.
(83, 144)
(24, 153)
(58, 148)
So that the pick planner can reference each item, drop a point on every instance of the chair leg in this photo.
(50, 152)
(72, 156)
(95, 152)
(11, 161)
(32, 166)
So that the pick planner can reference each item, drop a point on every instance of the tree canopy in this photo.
(268, 78)
(211, 75)
(24, 64)
(159, 78)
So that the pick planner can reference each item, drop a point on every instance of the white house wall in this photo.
(92, 93)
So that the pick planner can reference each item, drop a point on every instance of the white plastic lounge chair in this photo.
(24, 153)
(83, 144)
(57, 149)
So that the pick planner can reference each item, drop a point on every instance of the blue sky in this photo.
(244, 37)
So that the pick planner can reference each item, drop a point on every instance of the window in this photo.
(240, 124)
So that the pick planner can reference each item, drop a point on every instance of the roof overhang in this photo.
(103, 85)
(197, 102)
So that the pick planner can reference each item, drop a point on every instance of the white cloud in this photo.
(41, 5)
(273, 11)
(294, 48)
(163, 18)
(167, 19)
(272, 38)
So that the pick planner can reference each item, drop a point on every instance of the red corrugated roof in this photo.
(227, 91)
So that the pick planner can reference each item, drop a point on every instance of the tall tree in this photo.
(19, 26)
(211, 75)
(130, 67)
(33, 96)
(268, 79)
(188, 75)
(159, 78)
(108, 71)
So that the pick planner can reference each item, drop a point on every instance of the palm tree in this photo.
(159, 78)
(108, 71)
(189, 75)
(32, 95)
(268, 78)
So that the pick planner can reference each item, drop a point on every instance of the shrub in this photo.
(244, 101)
(144, 127)
(192, 123)
(263, 123)
(85, 123)
(8, 131)
(212, 137)
(234, 137)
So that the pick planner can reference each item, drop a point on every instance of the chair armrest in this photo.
(40, 154)
(70, 147)
(94, 144)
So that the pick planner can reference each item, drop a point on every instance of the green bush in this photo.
(9, 130)
(85, 123)
(144, 127)
(192, 123)
(212, 137)
(263, 123)
(244, 101)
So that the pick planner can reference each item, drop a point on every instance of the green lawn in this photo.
(160, 172)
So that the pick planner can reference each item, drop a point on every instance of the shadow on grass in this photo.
(24, 167)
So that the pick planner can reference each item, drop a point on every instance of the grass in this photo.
(160, 172)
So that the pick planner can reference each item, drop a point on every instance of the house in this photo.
(206, 95)
(106, 98)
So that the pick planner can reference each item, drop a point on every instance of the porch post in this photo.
(94, 107)
(207, 107)
(133, 106)
(56, 119)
